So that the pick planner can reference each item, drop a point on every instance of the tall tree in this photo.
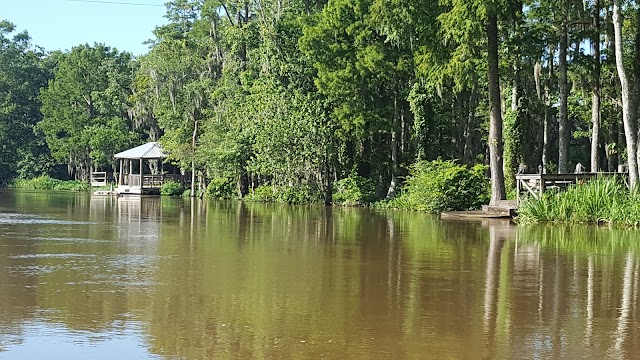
(23, 72)
(628, 107)
(85, 108)
(495, 122)
(595, 99)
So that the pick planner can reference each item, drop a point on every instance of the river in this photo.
(85, 277)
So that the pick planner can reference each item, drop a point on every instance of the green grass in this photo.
(47, 183)
(602, 201)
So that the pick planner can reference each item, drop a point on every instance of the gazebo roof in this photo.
(151, 150)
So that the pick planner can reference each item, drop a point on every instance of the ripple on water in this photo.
(52, 256)
(14, 219)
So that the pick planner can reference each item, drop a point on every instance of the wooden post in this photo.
(120, 174)
(517, 191)
(542, 184)
(141, 182)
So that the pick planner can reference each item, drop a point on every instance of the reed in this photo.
(601, 201)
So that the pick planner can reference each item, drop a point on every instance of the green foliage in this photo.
(438, 186)
(513, 149)
(354, 190)
(220, 188)
(304, 92)
(601, 201)
(84, 106)
(171, 188)
(44, 182)
(22, 73)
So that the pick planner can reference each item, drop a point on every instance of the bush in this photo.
(221, 188)
(171, 188)
(46, 183)
(438, 186)
(354, 190)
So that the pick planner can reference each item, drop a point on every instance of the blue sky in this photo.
(62, 24)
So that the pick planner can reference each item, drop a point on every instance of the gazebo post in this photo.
(120, 174)
(141, 182)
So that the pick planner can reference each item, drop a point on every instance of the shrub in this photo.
(299, 194)
(354, 190)
(437, 186)
(171, 188)
(220, 188)
(263, 193)
(44, 182)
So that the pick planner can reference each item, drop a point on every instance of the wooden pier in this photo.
(536, 184)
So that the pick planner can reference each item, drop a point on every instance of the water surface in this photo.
(86, 277)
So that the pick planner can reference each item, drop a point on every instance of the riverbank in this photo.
(47, 183)
(430, 186)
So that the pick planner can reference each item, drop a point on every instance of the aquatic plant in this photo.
(602, 201)
(171, 188)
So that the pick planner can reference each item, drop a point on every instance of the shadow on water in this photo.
(211, 279)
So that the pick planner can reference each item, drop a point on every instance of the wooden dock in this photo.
(536, 184)
(531, 184)
(504, 209)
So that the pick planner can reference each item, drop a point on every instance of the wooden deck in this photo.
(536, 184)
(472, 215)
(151, 184)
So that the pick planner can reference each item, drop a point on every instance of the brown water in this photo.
(158, 278)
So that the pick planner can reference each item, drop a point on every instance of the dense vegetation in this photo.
(316, 100)
(602, 201)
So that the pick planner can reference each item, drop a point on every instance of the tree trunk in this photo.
(563, 120)
(467, 154)
(514, 89)
(628, 111)
(636, 89)
(391, 192)
(495, 119)
(193, 158)
(547, 112)
(595, 103)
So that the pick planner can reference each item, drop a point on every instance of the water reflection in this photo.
(174, 278)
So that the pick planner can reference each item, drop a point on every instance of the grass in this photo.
(601, 201)
(47, 183)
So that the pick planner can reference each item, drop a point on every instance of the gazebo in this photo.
(131, 176)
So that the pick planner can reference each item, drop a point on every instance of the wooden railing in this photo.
(98, 178)
(151, 181)
(536, 184)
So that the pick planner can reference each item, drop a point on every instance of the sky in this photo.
(63, 24)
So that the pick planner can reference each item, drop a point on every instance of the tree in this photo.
(85, 108)
(628, 107)
(22, 73)
(479, 17)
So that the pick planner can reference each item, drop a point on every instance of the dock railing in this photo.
(151, 181)
(536, 184)
(98, 178)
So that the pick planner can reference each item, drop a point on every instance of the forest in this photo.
(307, 95)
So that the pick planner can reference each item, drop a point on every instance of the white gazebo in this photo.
(131, 181)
